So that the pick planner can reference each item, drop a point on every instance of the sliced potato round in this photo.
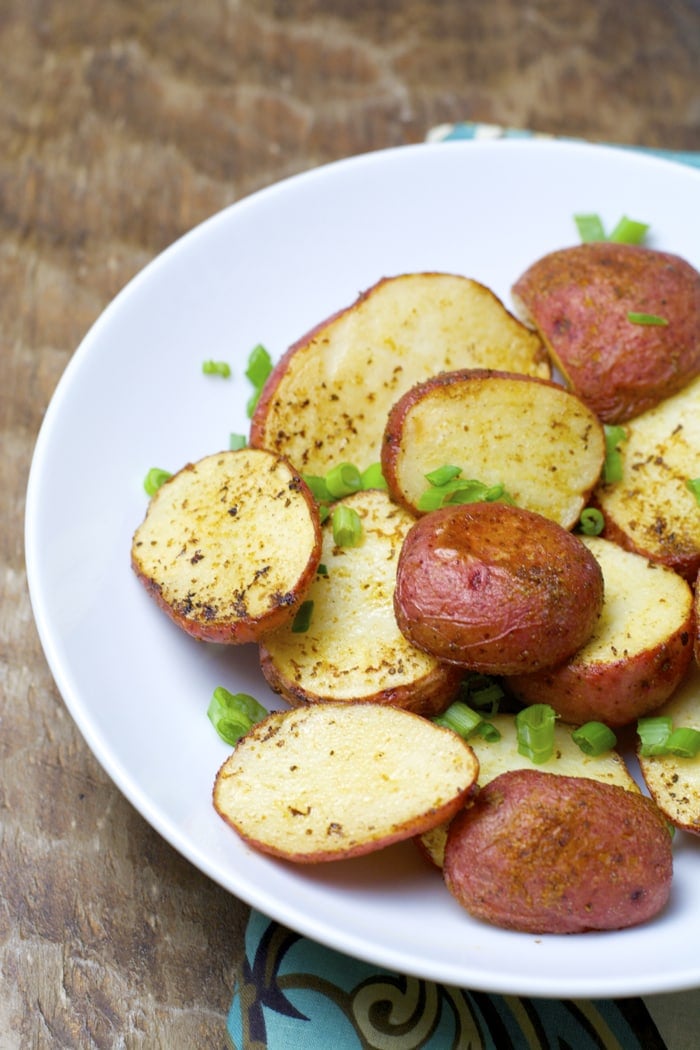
(651, 510)
(328, 397)
(229, 545)
(496, 588)
(353, 648)
(639, 651)
(534, 437)
(332, 781)
(583, 301)
(551, 854)
(502, 755)
(674, 782)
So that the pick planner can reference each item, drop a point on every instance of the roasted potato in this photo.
(538, 440)
(674, 782)
(333, 781)
(500, 756)
(651, 510)
(353, 649)
(582, 301)
(229, 545)
(543, 853)
(496, 588)
(638, 653)
(328, 397)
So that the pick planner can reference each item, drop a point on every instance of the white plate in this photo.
(133, 396)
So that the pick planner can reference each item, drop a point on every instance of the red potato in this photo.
(542, 853)
(579, 300)
(333, 781)
(639, 651)
(229, 545)
(496, 588)
(328, 397)
(530, 435)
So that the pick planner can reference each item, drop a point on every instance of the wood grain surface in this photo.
(122, 124)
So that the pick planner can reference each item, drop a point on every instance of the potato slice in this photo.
(353, 649)
(333, 781)
(580, 300)
(229, 545)
(538, 440)
(553, 854)
(496, 588)
(500, 756)
(674, 782)
(651, 510)
(328, 397)
(639, 652)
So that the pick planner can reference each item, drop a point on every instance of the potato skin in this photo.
(579, 299)
(496, 588)
(542, 853)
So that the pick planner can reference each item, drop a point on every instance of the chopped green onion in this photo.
(257, 371)
(684, 742)
(694, 485)
(322, 569)
(432, 499)
(612, 468)
(372, 477)
(594, 738)
(319, 489)
(629, 231)
(154, 479)
(237, 441)
(645, 319)
(482, 692)
(443, 474)
(233, 714)
(347, 527)
(342, 480)
(590, 228)
(535, 729)
(653, 734)
(591, 521)
(216, 368)
(323, 512)
(488, 732)
(460, 718)
(302, 620)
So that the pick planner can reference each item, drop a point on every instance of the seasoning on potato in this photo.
(496, 588)
(542, 853)
(335, 780)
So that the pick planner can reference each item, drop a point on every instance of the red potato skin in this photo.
(579, 299)
(496, 588)
(696, 609)
(542, 853)
(615, 692)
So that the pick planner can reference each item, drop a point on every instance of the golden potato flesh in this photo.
(331, 781)
(549, 854)
(229, 545)
(639, 651)
(496, 588)
(532, 436)
(584, 300)
(328, 398)
(651, 510)
(353, 648)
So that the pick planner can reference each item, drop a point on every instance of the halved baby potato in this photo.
(500, 756)
(333, 781)
(496, 588)
(542, 853)
(583, 301)
(353, 648)
(651, 510)
(534, 437)
(229, 545)
(328, 397)
(639, 651)
(674, 782)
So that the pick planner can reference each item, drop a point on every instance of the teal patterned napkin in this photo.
(291, 992)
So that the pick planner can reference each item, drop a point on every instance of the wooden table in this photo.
(122, 124)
